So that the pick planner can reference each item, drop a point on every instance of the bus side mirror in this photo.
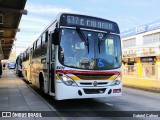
(55, 37)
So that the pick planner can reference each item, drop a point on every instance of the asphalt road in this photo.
(133, 102)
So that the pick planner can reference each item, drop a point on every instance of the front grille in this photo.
(94, 91)
(102, 83)
(84, 83)
(93, 77)
(91, 83)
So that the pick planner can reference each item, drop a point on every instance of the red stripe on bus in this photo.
(88, 72)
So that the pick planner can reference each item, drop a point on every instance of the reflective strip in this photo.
(57, 78)
(89, 72)
(77, 78)
(113, 77)
(74, 78)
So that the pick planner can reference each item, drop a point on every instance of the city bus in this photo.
(26, 66)
(18, 68)
(76, 56)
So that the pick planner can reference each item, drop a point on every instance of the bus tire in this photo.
(19, 74)
(41, 81)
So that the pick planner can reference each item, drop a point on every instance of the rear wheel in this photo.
(19, 73)
(41, 81)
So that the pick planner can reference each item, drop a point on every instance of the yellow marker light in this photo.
(65, 78)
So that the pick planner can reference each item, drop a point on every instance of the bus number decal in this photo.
(60, 67)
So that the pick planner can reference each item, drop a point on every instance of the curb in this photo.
(142, 88)
(43, 100)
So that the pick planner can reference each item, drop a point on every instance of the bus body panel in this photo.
(26, 70)
(26, 65)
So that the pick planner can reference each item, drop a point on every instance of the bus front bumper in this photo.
(75, 92)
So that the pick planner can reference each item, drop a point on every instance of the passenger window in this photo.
(46, 36)
(35, 44)
(38, 42)
(43, 38)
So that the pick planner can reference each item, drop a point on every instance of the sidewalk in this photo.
(141, 83)
(15, 95)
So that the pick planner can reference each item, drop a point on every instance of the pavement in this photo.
(16, 95)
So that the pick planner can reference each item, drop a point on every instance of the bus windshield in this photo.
(102, 52)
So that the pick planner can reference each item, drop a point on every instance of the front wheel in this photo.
(42, 84)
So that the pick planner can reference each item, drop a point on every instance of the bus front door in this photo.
(51, 67)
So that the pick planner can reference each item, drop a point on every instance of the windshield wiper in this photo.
(101, 40)
(83, 38)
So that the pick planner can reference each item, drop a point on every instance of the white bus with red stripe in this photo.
(77, 56)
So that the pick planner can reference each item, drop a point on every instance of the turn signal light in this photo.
(116, 90)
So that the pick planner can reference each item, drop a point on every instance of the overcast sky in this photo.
(127, 13)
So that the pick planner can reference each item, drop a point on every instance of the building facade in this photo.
(141, 51)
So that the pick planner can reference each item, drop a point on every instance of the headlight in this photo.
(67, 80)
(117, 81)
(119, 77)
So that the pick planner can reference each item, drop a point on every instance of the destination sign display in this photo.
(72, 20)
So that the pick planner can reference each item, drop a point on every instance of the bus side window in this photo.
(27, 55)
(44, 43)
(46, 36)
(43, 38)
(34, 49)
(53, 53)
(24, 56)
(38, 48)
(39, 42)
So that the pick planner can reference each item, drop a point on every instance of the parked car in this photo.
(11, 65)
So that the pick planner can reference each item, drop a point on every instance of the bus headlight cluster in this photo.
(67, 80)
(119, 77)
(117, 81)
